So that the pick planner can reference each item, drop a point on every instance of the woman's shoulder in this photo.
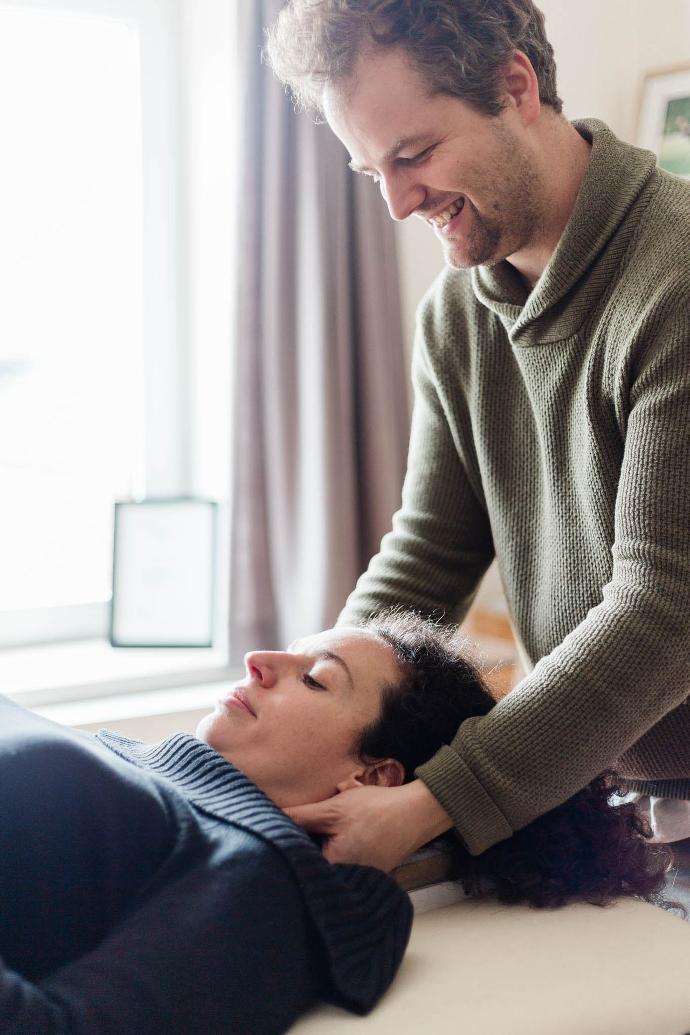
(82, 838)
(30, 744)
(55, 777)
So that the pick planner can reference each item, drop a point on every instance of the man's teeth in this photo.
(447, 215)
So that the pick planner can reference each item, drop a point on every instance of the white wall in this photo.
(603, 49)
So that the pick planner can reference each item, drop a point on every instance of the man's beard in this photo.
(519, 213)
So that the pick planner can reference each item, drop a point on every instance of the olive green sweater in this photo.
(552, 430)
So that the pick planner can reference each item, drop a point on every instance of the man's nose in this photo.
(263, 666)
(402, 196)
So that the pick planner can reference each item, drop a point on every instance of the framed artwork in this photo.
(164, 563)
(664, 119)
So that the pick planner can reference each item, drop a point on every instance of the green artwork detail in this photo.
(674, 152)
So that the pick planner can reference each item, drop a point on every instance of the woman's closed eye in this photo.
(311, 682)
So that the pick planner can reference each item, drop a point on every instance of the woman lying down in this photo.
(161, 888)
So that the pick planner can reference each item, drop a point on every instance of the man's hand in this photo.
(374, 826)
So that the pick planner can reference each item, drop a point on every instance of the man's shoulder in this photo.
(661, 251)
(450, 316)
(449, 294)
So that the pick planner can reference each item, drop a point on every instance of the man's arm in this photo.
(440, 545)
(612, 678)
(627, 664)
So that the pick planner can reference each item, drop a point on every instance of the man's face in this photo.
(304, 707)
(471, 176)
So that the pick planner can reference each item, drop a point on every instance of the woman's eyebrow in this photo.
(328, 655)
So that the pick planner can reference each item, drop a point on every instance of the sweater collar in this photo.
(203, 776)
(578, 272)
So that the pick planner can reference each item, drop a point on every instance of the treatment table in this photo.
(477, 967)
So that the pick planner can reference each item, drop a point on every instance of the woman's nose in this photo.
(262, 666)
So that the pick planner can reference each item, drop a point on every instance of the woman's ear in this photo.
(388, 773)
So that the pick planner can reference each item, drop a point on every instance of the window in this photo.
(116, 213)
(91, 405)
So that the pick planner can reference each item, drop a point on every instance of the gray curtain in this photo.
(320, 411)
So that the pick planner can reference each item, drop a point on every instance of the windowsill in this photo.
(91, 670)
(149, 715)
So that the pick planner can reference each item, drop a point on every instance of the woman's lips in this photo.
(238, 699)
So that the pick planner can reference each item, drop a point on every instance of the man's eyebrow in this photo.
(402, 145)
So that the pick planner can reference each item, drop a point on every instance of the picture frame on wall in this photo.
(664, 119)
(164, 565)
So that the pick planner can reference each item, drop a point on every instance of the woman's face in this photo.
(290, 724)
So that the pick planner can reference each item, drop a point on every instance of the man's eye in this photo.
(310, 681)
(416, 159)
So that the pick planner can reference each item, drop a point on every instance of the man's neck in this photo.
(567, 160)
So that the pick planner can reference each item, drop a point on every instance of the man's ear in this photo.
(522, 87)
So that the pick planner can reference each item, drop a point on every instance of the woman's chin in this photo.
(213, 730)
(203, 727)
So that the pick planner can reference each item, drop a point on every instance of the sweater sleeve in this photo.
(440, 544)
(627, 664)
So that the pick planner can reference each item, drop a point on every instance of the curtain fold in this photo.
(320, 419)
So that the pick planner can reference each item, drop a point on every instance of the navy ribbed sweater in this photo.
(154, 888)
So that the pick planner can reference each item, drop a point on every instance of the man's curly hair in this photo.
(460, 47)
(587, 849)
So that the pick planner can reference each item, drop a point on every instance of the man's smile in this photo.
(442, 219)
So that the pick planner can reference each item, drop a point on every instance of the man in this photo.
(551, 425)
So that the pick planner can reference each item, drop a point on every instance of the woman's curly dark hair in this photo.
(587, 849)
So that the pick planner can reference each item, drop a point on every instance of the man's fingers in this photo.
(318, 818)
(330, 852)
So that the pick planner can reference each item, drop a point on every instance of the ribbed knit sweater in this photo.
(149, 889)
(551, 429)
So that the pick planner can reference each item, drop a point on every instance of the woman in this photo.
(162, 888)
